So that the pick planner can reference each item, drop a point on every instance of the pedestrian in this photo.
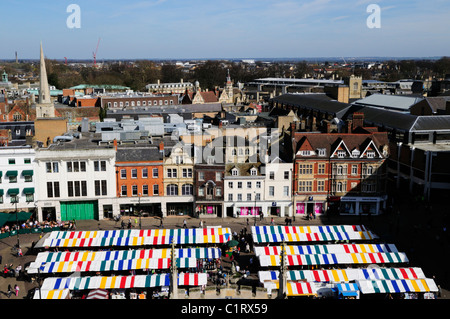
(19, 252)
(10, 291)
(122, 224)
(161, 223)
(16, 289)
(184, 223)
(1, 258)
(271, 221)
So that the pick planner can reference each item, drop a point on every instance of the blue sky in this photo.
(183, 29)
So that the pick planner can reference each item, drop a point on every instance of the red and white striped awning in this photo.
(299, 289)
(98, 294)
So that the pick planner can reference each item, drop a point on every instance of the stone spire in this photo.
(44, 91)
(44, 107)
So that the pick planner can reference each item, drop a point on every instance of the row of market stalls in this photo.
(134, 237)
(346, 261)
(119, 261)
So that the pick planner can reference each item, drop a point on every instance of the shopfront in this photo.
(362, 205)
(209, 210)
(310, 206)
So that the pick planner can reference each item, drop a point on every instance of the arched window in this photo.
(172, 190)
(186, 189)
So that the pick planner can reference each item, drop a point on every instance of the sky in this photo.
(228, 29)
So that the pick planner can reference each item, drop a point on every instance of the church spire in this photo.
(44, 91)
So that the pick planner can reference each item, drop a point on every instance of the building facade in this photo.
(340, 173)
(75, 182)
(17, 180)
(139, 176)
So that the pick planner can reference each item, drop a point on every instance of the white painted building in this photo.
(76, 180)
(278, 188)
(17, 180)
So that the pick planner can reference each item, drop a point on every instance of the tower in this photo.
(44, 107)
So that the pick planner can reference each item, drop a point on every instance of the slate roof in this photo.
(138, 154)
(397, 102)
(317, 102)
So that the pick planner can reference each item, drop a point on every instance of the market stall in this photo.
(134, 237)
(52, 294)
(277, 234)
(397, 286)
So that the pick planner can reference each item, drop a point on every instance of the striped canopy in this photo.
(299, 289)
(328, 275)
(397, 286)
(118, 260)
(136, 237)
(385, 273)
(110, 265)
(45, 257)
(325, 249)
(348, 289)
(51, 294)
(345, 275)
(122, 282)
(103, 282)
(334, 259)
(268, 234)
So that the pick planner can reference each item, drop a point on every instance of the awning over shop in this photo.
(52, 294)
(397, 286)
(13, 217)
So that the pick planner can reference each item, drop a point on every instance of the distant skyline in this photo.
(201, 29)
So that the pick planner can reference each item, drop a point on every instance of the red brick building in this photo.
(340, 172)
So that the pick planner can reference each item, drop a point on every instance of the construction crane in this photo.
(95, 53)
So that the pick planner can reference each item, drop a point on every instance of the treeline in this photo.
(213, 73)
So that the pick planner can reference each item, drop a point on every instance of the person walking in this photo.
(184, 223)
(16, 289)
(10, 291)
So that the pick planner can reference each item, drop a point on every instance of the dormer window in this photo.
(306, 153)
(234, 172)
(355, 153)
(253, 171)
(370, 154)
(321, 152)
(341, 154)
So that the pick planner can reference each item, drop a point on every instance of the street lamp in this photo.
(16, 199)
(139, 208)
(254, 208)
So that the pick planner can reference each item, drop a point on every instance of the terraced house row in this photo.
(290, 174)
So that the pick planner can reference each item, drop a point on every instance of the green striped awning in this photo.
(27, 172)
(11, 173)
